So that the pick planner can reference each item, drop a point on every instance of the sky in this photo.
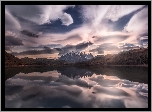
(49, 31)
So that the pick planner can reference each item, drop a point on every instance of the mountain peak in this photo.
(73, 57)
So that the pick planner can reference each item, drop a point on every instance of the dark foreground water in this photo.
(45, 87)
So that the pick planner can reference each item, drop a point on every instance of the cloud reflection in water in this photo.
(56, 90)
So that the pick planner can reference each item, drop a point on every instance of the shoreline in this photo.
(128, 65)
(72, 65)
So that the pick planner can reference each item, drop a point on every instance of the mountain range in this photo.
(131, 57)
(74, 57)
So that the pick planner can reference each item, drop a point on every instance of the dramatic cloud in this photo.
(112, 38)
(9, 33)
(71, 39)
(66, 49)
(143, 41)
(138, 25)
(122, 22)
(113, 48)
(30, 34)
(37, 52)
(117, 11)
(69, 48)
(92, 14)
(139, 22)
(37, 13)
(10, 22)
(83, 45)
(105, 47)
(66, 19)
(49, 45)
(12, 41)
(73, 27)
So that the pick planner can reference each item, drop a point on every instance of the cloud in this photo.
(105, 47)
(113, 48)
(11, 23)
(94, 37)
(83, 45)
(144, 34)
(72, 39)
(57, 25)
(66, 19)
(95, 14)
(39, 33)
(39, 14)
(113, 38)
(12, 41)
(128, 46)
(10, 33)
(49, 45)
(90, 29)
(138, 26)
(92, 14)
(61, 91)
(143, 41)
(98, 50)
(37, 52)
(109, 91)
(66, 49)
(30, 34)
(122, 21)
(69, 48)
(117, 11)
(138, 23)
(101, 28)
(11, 89)
(39, 47)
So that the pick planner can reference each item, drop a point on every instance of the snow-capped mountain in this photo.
(74, 57)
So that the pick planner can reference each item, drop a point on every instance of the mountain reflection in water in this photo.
(75, 88)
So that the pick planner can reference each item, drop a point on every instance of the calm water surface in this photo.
(45, 87)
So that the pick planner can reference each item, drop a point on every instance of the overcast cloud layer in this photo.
(28, 28)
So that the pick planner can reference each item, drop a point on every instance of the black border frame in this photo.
(3, 3)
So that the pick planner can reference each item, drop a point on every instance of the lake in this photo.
(70, 87)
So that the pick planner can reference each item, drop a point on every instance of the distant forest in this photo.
(131, 57)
